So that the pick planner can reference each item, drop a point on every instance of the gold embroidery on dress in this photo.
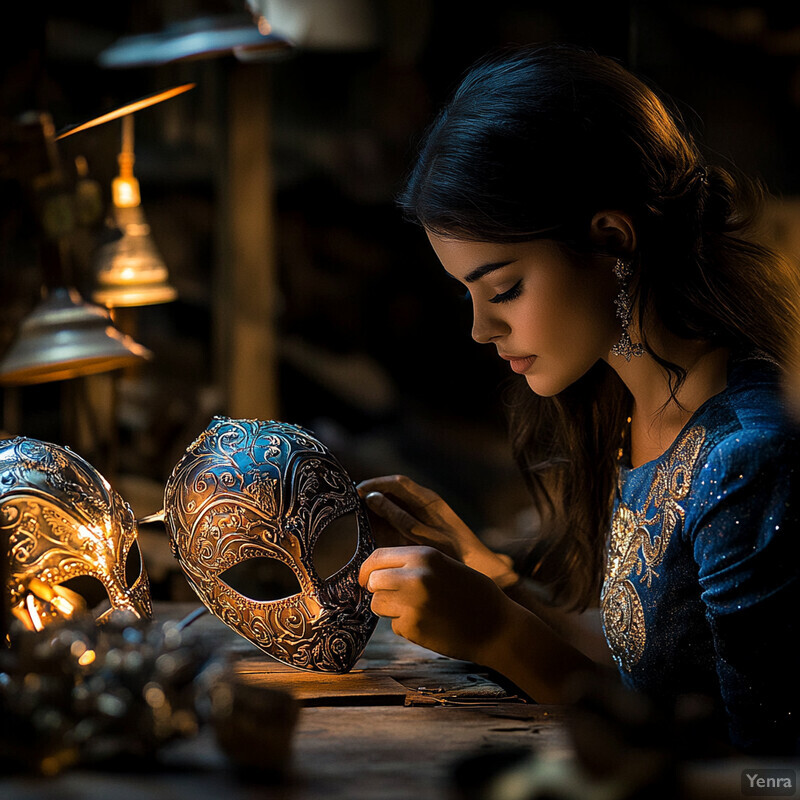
(638, 542)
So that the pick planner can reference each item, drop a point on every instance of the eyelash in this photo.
(511, 294)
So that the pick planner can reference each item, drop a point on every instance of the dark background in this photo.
(374, 352)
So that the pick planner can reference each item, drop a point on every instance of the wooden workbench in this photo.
(404, 724)
(397, 726)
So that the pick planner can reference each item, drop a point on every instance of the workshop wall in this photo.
(371, 341)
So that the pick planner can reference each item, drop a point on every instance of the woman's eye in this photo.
(511, 294)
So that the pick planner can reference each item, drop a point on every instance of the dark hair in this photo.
(534, 142)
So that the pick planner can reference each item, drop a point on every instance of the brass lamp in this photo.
(64, 336)
(130, 270)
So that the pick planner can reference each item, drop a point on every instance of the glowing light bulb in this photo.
(125, 192)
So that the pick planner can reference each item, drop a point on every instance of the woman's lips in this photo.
(519, 364)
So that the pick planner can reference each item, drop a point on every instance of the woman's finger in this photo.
(384, 604)
(384, 580)
(382, 558)
(392, 576)
(413, 530)
(415, 497)
(384, 533)
(395, 515)
(395, 558)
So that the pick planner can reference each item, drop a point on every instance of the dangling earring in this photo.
(625, 347)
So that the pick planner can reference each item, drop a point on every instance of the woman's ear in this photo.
(613, 232)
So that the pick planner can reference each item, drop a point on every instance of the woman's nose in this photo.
(486, 328)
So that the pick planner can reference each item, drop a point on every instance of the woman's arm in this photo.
(744, 526)
(440, 603)
(404, 512)
(581, 629)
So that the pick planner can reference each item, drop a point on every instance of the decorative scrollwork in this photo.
(638, 543)
(63, 520)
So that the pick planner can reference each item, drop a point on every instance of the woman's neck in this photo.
(656, 419)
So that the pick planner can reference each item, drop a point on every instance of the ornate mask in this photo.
(72, 539)
(270, 533)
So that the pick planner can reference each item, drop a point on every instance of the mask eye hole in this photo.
(336, 545)
(133, 564)
(90, 589)
(262, 579)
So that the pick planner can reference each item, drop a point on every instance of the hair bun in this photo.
(729, 203)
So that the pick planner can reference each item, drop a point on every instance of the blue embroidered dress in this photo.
(702, 588)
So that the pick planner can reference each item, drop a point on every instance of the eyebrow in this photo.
(485, 269)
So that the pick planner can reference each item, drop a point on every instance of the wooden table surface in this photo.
(397, 726)
(404, 724)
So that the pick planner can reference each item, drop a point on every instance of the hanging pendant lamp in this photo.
(66, 337)
(129, 270)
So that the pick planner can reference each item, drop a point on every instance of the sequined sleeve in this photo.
(744, 527)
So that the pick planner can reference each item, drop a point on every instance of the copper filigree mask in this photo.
(71, 538)
(270, 533)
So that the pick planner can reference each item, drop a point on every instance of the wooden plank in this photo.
(392, 671)
(400, 753)
(354, 739)
(323, 689)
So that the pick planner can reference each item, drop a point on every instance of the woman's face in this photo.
(550, 315)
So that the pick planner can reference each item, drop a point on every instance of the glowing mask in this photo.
(270, 533)
(72, 539)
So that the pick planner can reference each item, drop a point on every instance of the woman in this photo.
(613, 269)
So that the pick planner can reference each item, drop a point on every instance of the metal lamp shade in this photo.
(65, 337)
(203, 37)
(130, 270)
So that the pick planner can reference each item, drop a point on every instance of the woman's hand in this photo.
(436, 601)
(439, 603)
(421, 517)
